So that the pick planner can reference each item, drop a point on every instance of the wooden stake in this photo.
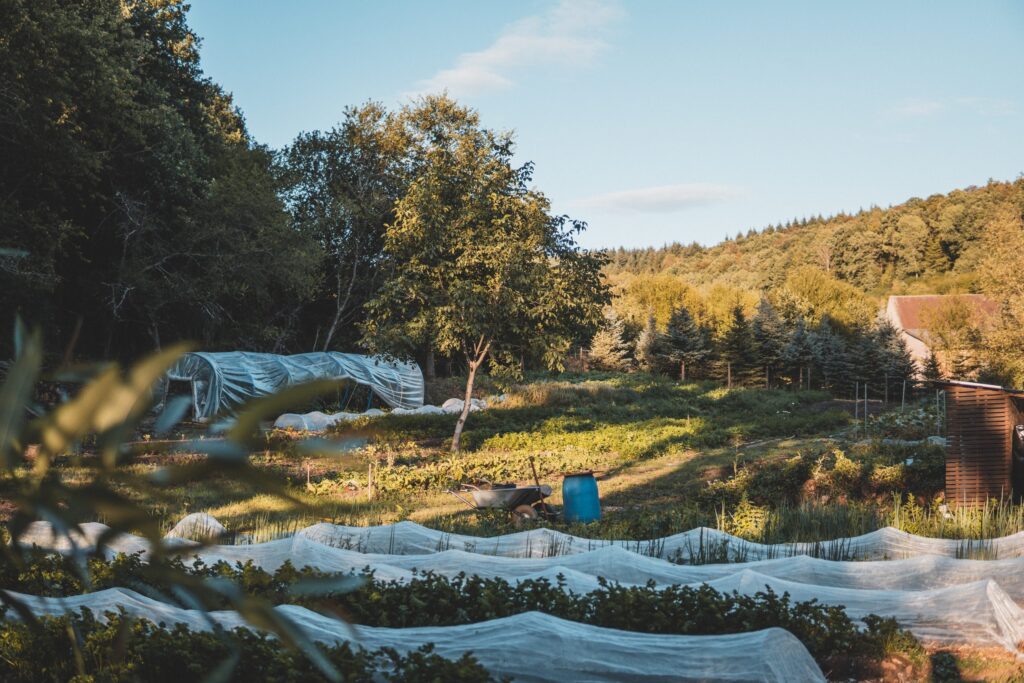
(865, 406)
(369, 482)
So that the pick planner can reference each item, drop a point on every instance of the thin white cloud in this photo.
(570, 33)
(918, 107)
(988, 106)
(982, 106)
(661, 199)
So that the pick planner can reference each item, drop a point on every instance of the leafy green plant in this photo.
(105, 412)
(79, 647)
(433, 600)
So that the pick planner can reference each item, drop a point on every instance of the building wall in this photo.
(918, 349)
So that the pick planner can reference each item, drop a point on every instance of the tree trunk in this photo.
(475, 361)
(430, 371)
(457, 437)
(728, 374)
(682, 371)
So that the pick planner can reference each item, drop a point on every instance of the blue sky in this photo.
(662, 121)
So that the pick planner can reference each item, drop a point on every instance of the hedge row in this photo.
(81, 649)
(836, 641)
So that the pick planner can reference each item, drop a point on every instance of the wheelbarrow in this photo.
(522, 502)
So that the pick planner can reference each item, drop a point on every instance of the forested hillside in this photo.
(923, 245)
(830, 275)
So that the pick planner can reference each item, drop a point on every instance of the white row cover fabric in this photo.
(884, 544)
(527, 647)
(317, 421)
(614, 563)
(224, 380)
(917, 592)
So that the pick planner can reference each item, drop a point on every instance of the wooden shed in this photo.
(980, 421)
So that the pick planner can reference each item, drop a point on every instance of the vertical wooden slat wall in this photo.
(978, 452)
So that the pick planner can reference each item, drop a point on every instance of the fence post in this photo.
(369, 481)
(865, 407)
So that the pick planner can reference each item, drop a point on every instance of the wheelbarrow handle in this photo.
(471, 505)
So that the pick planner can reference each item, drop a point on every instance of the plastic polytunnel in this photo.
(222, 381)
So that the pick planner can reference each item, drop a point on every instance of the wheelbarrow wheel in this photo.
(523, 513)
(546, 511)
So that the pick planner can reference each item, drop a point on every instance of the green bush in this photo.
(79, 648)
(432, 600)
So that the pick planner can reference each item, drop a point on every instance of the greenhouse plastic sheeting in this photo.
(223, 381)
(526, 647)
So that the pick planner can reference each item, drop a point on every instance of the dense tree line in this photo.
(137, 210)
(135, 206)
(842, 267)
(920, 246)
(765, 349)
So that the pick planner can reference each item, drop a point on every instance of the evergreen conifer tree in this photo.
(932, 371)
(608, 349)
(737, 352)
(832, 358)
(770, 337)
(798, 354)
(686, 343)
(650, 348)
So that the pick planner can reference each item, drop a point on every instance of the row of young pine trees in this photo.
(766, 349)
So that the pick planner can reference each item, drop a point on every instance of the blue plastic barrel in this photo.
(579, 498)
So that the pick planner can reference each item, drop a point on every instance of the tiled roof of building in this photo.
(911, 312)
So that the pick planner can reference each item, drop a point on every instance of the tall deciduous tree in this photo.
(137, 204)
(474, 263)
(341, 187)
(1001, 279)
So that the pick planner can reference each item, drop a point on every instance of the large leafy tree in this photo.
(1004, 242)
(341, 187)
(133, 203)
(475, 265)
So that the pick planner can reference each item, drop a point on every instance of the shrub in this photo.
(433, 600)
(79, 648)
